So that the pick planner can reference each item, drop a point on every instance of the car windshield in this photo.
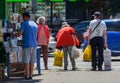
(113, 25)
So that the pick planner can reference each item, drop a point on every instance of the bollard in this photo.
(38, 60)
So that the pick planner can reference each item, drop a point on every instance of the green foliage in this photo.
(115, 6)
(86, 0)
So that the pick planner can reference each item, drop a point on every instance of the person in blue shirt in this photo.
(28, 30)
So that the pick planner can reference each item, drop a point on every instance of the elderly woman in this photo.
(43, 39)
(66, 41)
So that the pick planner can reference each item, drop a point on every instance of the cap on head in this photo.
(97, 14)
(65, 24)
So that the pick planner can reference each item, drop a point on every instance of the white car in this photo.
(51, 45)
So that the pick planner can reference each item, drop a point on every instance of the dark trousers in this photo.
(97, 45)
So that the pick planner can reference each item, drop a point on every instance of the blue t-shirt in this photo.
(29, 36)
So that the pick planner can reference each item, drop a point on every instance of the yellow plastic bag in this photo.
(87, 54)
(58, 58)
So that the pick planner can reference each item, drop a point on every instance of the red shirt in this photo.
(64, 37)
(46, 35)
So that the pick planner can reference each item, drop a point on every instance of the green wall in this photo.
(3, 9)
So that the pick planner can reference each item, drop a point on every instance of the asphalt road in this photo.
(81, 75)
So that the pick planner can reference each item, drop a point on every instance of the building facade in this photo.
(59, 10)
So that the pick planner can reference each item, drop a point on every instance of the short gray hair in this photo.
(65, 24)
(41, 20)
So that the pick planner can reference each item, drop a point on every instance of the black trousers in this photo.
(97, 45)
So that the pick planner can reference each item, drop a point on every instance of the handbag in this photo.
(75, 53)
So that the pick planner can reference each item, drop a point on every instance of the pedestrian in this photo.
(43, 39)
(54, 19)
(65, 40)
(28, 30)
(97, 38)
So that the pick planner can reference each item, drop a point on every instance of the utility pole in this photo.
(51, 13)
(13, 7)
(33, 4)
(3, 9)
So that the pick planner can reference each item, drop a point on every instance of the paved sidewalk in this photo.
(78, 76)
(81, 75)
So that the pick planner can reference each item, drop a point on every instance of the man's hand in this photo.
(105, 45)
(17, 34)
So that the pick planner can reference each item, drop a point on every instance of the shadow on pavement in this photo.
(62, 70)
(19, 80)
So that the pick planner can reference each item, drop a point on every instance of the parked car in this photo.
(80, 28)
(113, 33)
(51, 45)
(113, 40)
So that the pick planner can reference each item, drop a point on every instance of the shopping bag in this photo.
(87, 54)
(75, 53)
(7, 46)
(58, 58)
(107, 59)
(13, 43)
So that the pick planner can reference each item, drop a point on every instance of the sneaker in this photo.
(93, 69)
(30, 78)
(74, 68)
(65, 68)
(100, 69)
(46, 68)
(26, 79)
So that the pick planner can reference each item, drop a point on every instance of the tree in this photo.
(115, 7)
